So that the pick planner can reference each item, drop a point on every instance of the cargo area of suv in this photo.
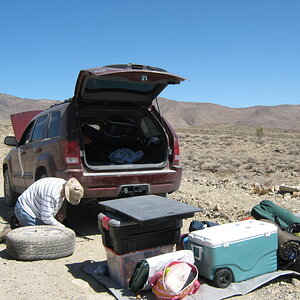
(114, 138)
(110, 135)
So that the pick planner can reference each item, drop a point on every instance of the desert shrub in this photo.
(249, 166)
(251, 160)
(294, 152)
(242, 178)
(259, 133)
(206, 137)
(235, 163)
(270, 170)
(213, 167)
(226, 170)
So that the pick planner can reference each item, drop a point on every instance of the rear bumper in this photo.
(107, 184)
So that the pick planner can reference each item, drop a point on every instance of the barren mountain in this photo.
(186, 114)
(192, 114)
(11, 105)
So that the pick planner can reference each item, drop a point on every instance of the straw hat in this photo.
(73, 191)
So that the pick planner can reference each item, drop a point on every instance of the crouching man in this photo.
(40, 203)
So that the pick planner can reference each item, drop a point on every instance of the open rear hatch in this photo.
(118, 130)
(123, 83)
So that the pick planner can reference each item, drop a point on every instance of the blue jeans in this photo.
(24, 218)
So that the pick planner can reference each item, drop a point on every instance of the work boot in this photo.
(13, 221)
(4, 233)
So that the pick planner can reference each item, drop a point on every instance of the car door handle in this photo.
(38, 149)
(23, 152)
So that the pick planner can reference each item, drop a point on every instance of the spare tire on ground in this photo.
(40, 242)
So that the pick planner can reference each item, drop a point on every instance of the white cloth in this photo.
(43, 199)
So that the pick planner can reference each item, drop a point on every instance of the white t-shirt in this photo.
(43, 199)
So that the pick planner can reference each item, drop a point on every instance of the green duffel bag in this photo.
(139, 276)
(268, 210)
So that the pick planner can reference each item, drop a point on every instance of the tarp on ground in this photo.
(206, 291)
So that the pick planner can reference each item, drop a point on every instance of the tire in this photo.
(44, 175)
(223, 278)
(40, 242)
(10, 195)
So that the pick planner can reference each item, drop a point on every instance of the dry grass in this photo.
(236, 153)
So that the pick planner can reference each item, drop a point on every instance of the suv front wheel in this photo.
(10, 195)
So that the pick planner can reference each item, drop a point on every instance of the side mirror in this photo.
(10, 141)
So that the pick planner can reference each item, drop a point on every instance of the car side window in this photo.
(54, 125)
(26, 135)
(38, 131)
(148, 127)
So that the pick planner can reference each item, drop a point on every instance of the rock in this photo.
(290, 189)
(260, 190)
(296, 283)
(246, 187)
(80, 283)
(276, 188)
(287, 196)
(217, 208)
(296, 194)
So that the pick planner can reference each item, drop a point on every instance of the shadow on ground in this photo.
(4, 210)
(76, 270)
(83, 218)
(4, 255)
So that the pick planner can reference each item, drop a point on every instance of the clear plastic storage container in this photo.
(121, 267)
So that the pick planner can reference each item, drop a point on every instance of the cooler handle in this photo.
(198, 251)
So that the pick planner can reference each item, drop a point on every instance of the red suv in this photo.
(109, 135)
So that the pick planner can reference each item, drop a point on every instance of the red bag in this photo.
(160, 290)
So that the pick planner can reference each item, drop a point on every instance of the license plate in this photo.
(134, 190)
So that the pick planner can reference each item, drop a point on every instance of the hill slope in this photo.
(186, 114)
(190, 114)
(11, 105)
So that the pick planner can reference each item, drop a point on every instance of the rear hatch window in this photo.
(122, 84)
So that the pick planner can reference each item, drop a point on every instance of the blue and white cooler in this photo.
(235, 251)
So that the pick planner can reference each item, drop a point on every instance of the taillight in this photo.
(176, 153)
(71, 152)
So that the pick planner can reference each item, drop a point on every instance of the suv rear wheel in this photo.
(10, 195)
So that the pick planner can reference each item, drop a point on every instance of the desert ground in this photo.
(227, 170)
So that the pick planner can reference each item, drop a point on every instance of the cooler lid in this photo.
(225, 234)
(150, 208)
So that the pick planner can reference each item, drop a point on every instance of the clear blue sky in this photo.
(236, 53)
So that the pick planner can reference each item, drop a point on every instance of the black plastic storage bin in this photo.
(123, 235)
(149, 209)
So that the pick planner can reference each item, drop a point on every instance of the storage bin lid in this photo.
(225, 234)
(150, 208)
